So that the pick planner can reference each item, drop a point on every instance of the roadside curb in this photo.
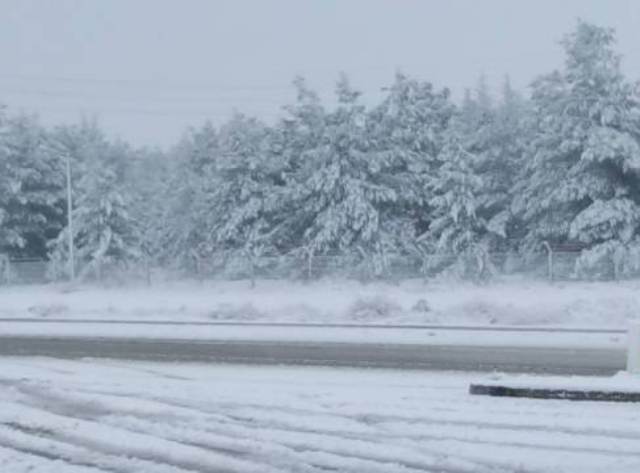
(554, 393)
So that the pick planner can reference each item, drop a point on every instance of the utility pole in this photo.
(72, 270)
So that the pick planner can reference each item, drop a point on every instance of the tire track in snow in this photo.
(542, 426)
(286, 458)
(402, 438)
(513, 427)
(368, 419)
(308, 458)
(63, 409)
(118, 442)
(66, 405)
(473, 433)
(346, 444)
(17, 459)
(250, 430)
(311, 430)
(542, 419)
(24, 439)
(459, 438)
(418, 438)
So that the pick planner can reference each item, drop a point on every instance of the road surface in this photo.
(586, 361)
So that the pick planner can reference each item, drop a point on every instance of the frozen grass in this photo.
(90, 416)
(411, 302)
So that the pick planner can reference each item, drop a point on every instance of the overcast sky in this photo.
(149, 68)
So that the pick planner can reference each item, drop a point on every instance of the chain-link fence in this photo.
(22, 271)
(559, 265)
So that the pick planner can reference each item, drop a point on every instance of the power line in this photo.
(76, 96)
(148, 112)
(145, 83)
(182, 84)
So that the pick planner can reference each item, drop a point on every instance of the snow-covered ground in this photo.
(411, 302)
(621, 382)
(90, 416)
(318, 334)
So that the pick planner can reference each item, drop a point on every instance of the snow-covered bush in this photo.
(371, 309)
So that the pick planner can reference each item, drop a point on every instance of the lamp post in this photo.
(72, 270)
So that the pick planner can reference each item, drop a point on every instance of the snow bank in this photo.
(621, 382)
(411, 302)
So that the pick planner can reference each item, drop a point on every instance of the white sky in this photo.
(149, 68)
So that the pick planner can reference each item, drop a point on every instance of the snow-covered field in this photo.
(412, 302)
(90, 416)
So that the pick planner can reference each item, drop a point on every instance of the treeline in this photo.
(416, 175)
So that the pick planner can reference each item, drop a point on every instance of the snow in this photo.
(93, 416)
(621, 382)
(272, 333)
(519, 303)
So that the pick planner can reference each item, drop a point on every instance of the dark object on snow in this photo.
(548, 393)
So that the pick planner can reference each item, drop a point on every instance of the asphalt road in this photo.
(585, 361)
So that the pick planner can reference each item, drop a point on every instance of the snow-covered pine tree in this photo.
(480, 137)
(188, 221)
(6, 238)
(341, 192)
(511, 136)
(103, 232)
(472, 186)
(244, 199)
(581, 180)
(290, 142)
(495, 134)
(30, 189)
(302, 128)
(146, 182)
(456, 238)
(406, 133)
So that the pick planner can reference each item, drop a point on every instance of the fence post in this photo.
(309, 265)
(5, 269)
(252, 270)
(198, 268)
(633, 348)
(617, 259)
(547, 246)
(147, 268)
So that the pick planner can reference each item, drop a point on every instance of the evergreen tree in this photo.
(581, 181)
(147, 184)
(6, 190)
(479, 162)
(30, 189)
(493, 133)
(104, 234)
(511, 136)
(244, 199)
(188, 220)
(291, 143)
(341, 193)
(406, 132)
(302, 129)
(413, 176)
(457, 235)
